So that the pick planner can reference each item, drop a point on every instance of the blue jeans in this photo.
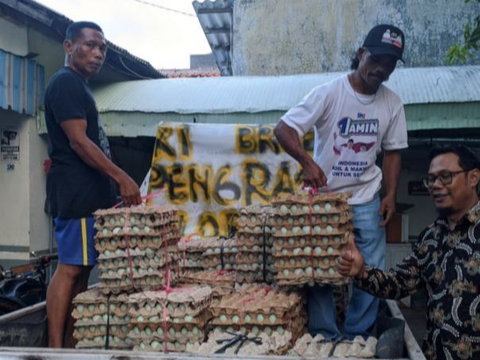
(363, 308)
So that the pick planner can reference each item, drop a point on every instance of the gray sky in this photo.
(164, 38)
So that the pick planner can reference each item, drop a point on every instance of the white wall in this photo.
(13, 38)
(14, 194)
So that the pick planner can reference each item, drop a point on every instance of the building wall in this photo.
(14, 193)
(25, 226)
(309, 36)
(14, 38)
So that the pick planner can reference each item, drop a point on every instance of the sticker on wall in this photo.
(10, 145)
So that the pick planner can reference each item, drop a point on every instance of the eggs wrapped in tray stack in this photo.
(255, 262)
(309, 233)
(97, 316)
(169, 320)
(222, 282)
(254, 309)
(136, 247)
(236, 343)
(191, 251)
(219, 253)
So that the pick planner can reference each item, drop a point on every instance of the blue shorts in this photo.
(75, 241)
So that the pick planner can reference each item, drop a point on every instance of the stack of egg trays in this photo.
(310, 231)
(255, 241)
(221, 282)
(191, 251)
(253, 309)
(140, 238)
(169, 320)
(92, 311)
(219, 253)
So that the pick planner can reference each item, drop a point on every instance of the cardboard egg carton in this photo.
(151, 216)
(138, 258)
(246, 274)
(256, 300)
(99, 342)
(92, 331)
(313, 218)
(145, 282)
(320, 348)
(179, 302)
(253, 215)
(323, 242)
(303, 263)
(310, 276)
(94, 302)
(248, 240)
(336, 201)
(287, 230)
(154, 345)
(183, 333)
(109, 245)
(273, 344)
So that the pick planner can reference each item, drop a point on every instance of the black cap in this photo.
(385, 40)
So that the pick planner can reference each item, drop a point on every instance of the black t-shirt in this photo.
(74, 189)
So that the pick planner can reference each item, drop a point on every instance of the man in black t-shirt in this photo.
(82, 175)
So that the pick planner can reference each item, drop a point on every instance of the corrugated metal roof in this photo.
(216, 18)
(22, 83)
(260, 94)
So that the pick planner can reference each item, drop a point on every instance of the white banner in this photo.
(208, 171)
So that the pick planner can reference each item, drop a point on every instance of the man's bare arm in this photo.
(287, 137)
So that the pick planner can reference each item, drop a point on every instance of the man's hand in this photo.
(313, 175)
(350, 262)
(129, 191)
(387, 209)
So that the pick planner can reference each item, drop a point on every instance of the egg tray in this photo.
(169, 232)
(312, 218)
(258, 299)
(179, 301)
(296, 327)
(121, 243)
(326, 278)
(213, 261)
(139, 259)
(100, 343)
(309, 251)
(324, 242)
(210, 278)
(191, 244)
(255, 258)
(89, 332)
(284, 198)
(113, 320)
(157, 346)
(300, 262)
(146, 283)
(94, 302)
(274, 344)
(152, 216)
(252, 277)
(182, 334)
(249, 240)
(257, 211)
(255, 267)
(316, 230)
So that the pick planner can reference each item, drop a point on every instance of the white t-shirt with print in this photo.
(351, 129)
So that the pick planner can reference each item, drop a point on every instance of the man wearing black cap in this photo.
(358, 108)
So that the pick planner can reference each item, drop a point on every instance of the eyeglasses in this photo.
(445, 178)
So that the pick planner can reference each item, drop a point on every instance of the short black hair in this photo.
(75, 28)
(467, 159)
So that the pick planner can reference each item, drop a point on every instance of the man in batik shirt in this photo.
(445, 260)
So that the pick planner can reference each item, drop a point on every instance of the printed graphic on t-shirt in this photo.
(353, 144)
(102, 138)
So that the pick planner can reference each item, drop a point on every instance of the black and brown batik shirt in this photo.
(447, 263)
